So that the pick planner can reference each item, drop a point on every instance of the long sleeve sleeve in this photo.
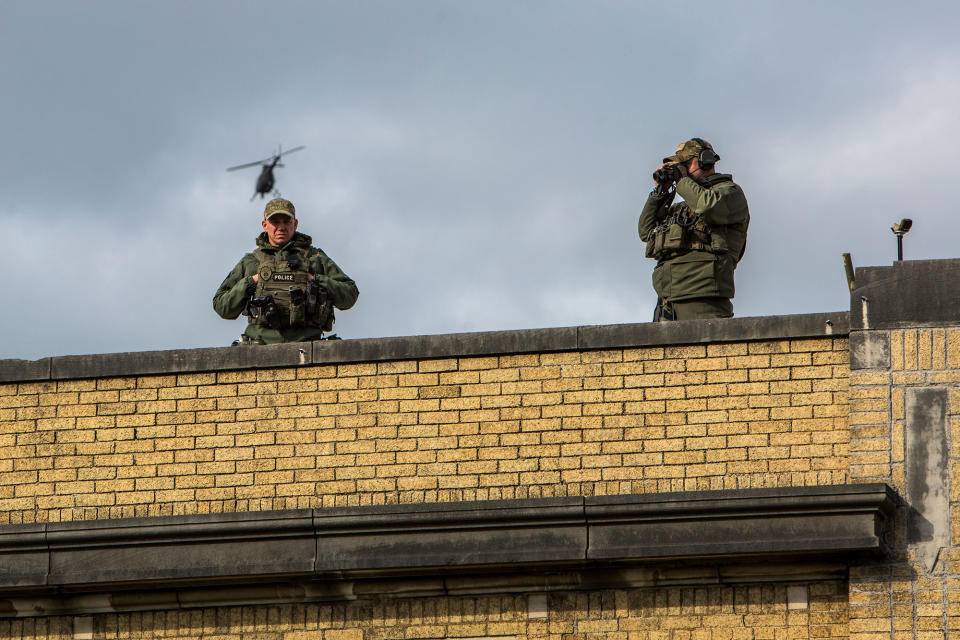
(231, 297)
(340, 287)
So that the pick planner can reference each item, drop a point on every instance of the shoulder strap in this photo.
(262, 256)
(314, 252)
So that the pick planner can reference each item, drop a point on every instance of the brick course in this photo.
(635, 420)
(746, 612)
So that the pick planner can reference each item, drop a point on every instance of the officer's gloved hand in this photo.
(320, 284)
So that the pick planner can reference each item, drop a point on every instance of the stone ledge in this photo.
(334, 553)
(841, 518)
(425, 347)
(809, 325)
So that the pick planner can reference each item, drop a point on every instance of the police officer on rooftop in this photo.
(286, 287)
(697, 243)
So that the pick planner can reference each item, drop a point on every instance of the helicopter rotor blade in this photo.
(249, 164)
(291, 150)
(266, 160)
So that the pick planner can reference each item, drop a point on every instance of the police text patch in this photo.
(283, 277)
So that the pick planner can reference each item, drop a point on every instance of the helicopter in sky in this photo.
(265, 180)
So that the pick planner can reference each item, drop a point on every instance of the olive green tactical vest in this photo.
(296, 300)
(681, 233)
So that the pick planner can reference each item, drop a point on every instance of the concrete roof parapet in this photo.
(486, 343)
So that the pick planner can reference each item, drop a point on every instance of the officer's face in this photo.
(280, 229)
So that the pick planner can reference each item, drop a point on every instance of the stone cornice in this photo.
(333, 553)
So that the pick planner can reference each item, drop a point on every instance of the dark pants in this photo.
(696, 309)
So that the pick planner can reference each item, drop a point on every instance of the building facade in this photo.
(756, 478)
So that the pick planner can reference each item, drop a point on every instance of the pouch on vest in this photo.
(718, 243)
(298, 305)
(667, 241)
(655, 246)
(319, 306)
(674, 238)
(284, 282)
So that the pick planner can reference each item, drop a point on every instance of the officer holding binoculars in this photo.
(286, 287)
(697, 243)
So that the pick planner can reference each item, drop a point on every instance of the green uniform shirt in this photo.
(231, 298)
(700, 274)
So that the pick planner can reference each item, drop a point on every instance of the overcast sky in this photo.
(473, 166)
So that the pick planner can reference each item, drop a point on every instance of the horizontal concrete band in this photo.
(329, 546)
(285, 590)
(424, 347)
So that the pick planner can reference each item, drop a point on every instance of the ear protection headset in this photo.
(706, 157)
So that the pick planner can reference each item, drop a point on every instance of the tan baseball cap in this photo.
(279, 205)
(689, 149)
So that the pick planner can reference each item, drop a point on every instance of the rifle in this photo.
(661, 215)
(666, 199)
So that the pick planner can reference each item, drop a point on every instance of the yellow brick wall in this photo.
(902, 599)
(637, 420)
(749, 612)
